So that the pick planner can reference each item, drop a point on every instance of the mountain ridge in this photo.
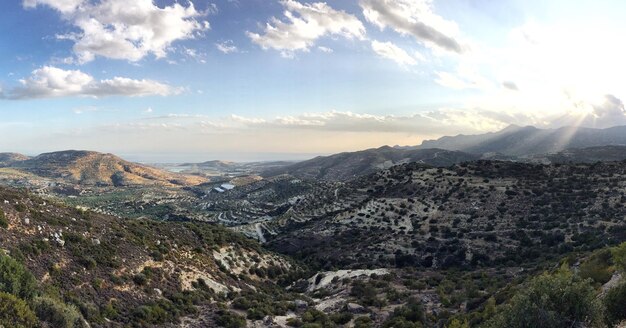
(529, 140)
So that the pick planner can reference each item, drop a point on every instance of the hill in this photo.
(7, 159)
(93, 168)
(345, 166)
(527, 141)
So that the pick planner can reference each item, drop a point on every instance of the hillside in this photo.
(345, 166)
(526, 141)
(475, 214)
(93, 168)
(118, 272)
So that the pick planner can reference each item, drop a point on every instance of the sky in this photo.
(245, 80)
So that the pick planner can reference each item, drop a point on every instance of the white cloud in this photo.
(415, 18)
(52, 82)
(325, 50)
(121, 29)
(304, 24)
(227, 47)
(391, 51)
(64, 6)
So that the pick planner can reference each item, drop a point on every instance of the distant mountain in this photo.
(93, 168)
(217, 164)
(345, 166)
(526, 141)
(10, 158)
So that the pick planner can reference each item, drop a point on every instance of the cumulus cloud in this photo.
(391, 51)
(415, 18)
(121, 29)
(303, 25)
(52, 82)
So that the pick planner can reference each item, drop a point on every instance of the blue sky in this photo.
(262, 79)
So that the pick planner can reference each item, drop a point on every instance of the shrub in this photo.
(456, 323)
(16, 279)
(554, 300)
(410, 315)
(614, 303)
(57, 313)
(14, 312)
(598, 267)
(363, 322)
(341, 318)
(228, 319)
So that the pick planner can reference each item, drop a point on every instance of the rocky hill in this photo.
(93, 168)
(526, 141)
(346, 166)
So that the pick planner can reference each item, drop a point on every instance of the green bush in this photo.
(57, 313)
(16, 279)
(229, 319)
(341, 318)
(615, 304)
(554, 300)
(598, 267)
(410, 315)
(15, 313)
